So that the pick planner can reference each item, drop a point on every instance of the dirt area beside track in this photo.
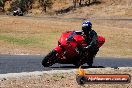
(62, 79)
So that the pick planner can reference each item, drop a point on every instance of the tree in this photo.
(25, 5)
(46, 4)
(89, 2)
(80, 2)
(2, 3)
(75, 3)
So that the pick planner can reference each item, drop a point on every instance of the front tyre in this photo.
(49, 60)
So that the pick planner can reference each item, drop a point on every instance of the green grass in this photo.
(17, 41)
(46, 40)
(43, 40)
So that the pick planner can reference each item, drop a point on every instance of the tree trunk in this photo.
(89, 2)
(80, 2)
(75, 3)
(45, 8)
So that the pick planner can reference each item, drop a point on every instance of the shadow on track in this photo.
(77, 67)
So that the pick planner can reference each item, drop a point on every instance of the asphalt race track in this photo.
(30, 63)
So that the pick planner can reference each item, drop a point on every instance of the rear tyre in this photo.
(90, 63)
(49, 60)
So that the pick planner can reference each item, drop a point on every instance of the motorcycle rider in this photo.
(91, 39)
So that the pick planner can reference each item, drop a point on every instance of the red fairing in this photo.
(68, 43)
(101, 40)
(80, 40)
(58, 49)
(64, 45)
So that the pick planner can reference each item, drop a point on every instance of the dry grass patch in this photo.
(33, 33)
(118, 38)
(40, 35)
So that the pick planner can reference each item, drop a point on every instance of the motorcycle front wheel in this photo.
(49, 59)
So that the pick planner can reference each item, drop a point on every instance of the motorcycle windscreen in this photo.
(70, 37)
(63, 37)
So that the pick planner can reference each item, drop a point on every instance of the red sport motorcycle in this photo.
(68, 51)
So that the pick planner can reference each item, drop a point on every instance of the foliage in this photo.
(46, 4)
(1, 2)
(25, 5)
(79, 3)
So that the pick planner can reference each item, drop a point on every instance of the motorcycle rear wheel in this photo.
(90, 63)
(14, 14)
(49, 60)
